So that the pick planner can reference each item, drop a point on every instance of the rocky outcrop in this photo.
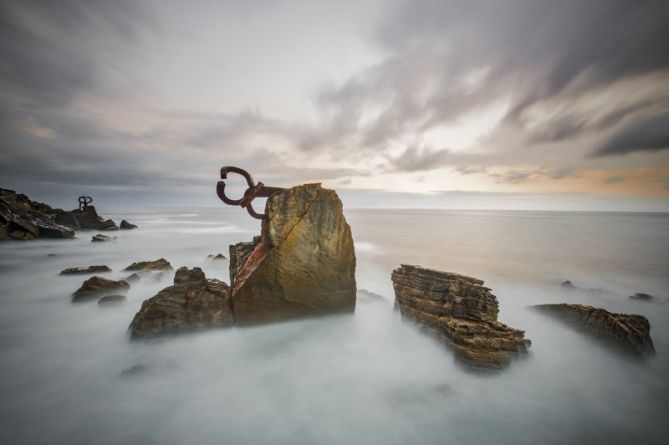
(192, 303)
(96, 287)
(86, 218)
(85, 270)
(626, 332)
(23, 219)
(125, 225)
(303, 264)
(459, 311)
(144, 266)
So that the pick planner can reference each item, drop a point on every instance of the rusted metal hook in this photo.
(254, 190)
(84, 201)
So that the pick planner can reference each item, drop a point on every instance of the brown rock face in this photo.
(627, 332)
(23, 219)
(192, 303)
(96, 287)
(159, 264)
(303, 264)
(461, 312)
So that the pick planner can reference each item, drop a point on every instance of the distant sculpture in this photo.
(258, 190)
(84, 201)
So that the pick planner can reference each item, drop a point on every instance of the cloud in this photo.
(419, 159)
(644, 133)
(617, 179)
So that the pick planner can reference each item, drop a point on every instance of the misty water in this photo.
(70, 375)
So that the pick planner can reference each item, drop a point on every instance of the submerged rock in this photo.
(111, 300)
(459, 311)
(100, 238)
(96, 287)
(567, 285)
(218, 257)
(641, 296)
(159, 264)
(85, 270)
(192, 303)
(627, 332)
(303, 264)
(125, 225)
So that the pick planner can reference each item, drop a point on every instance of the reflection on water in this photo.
(69, 375)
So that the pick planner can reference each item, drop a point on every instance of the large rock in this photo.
(23, 219)
(459, 311)
(626, 332)
(96, 287)
(192, 303)
(303, 264)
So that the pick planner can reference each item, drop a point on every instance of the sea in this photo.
(70, 375)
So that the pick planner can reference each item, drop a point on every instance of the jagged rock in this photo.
(302, 265)
(125, 225)
(642, 297)
(100, 238)
(111, 300)
(567, 285)
(23, 219)
(461, 312)
(96, 287)
(192, 303)
(159, 264)
(217, 257)
(627, 332)
(86, 270)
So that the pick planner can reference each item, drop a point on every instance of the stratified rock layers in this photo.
(302, 265)
(193, 303)
(628, 332)
(460, 311)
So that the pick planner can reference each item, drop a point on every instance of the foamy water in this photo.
(69, 374)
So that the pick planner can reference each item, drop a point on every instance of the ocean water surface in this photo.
(68, 373)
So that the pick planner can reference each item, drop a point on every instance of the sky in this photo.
(515, 104)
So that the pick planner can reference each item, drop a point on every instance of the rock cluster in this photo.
(627, 332)
(303, 264)
(192, 303)
(461, 312)
(23, 219)
(96, 287)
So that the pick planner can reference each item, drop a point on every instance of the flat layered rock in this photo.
(159, 264)
(626, 332)
(302, 265)
(459, 311)
(96, 287)
(85, 270)
(193, 303)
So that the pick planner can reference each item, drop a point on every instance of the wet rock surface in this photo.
(303, 264)
(125, 225)
(144, 266)
(193, 303)
(459, 311)
(24, 219)
(100, 238)
(111, 300)
(96, 287)
(626, 332)
(85, 270)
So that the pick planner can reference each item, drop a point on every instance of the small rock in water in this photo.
(193, 303)
(108, 225)
(628, 332)
(133, 278)
(370, 297)
(96, 287)
(111, 300)
(159, 264)
(125, 225)
(217, 257)
(86, 270)
(51, 254)
(134, 371)
(459, 311)
(100, 238)
(643, 297)
(567, 285)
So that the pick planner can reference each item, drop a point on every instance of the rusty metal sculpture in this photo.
(84, 201)
(254, 190)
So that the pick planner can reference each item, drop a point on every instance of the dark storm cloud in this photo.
(643, 133)
(452, 57)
